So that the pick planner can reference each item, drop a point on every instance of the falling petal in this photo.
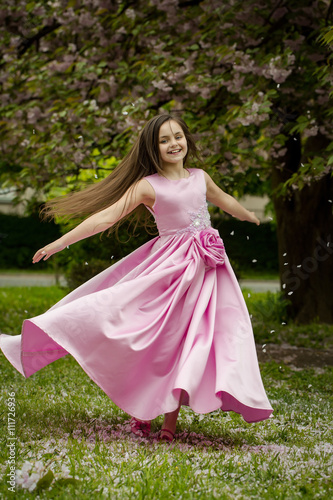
(270, 218)
(86, 264)
(67, 247)
(249, 295)
(285, 264)
(254, 260)
(300, 265)
(278, 86)
(232, 233)
(284, 286)
(263, 346)
(330, 201)
(125, 112)
(283, 323)
(272, 331)
(248, 237)
(96, 176)
(290, 293)
(284, 254)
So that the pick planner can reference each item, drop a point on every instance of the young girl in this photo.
(167, 325)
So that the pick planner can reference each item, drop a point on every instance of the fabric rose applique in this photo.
(210, 247)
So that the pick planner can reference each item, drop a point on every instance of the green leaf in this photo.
(66, 480)
(45, 481)
(47, 456)
(326, 37)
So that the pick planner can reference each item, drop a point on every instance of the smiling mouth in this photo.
(174, 152)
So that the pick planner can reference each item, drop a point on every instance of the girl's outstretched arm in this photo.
(141, 193)
(227, 203)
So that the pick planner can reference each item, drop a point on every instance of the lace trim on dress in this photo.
(199, 220)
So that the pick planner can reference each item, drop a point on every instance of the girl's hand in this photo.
(46, 252)
(253, 218)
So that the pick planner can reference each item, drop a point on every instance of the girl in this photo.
(167, 325)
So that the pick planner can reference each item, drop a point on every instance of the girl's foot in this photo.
(168, 430)
(166, 435)
(140, 427)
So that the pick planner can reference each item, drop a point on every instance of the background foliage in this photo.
(20, 238)
(252, 79)
(78, 79)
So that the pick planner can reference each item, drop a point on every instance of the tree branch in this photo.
(26, 44)
(277, 6)
(189, 3)
(329, 14)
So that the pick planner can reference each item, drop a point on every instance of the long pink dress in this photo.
(168, 317)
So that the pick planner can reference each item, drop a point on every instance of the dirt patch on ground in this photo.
(301, 357)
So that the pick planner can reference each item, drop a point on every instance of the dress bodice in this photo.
(180, 205)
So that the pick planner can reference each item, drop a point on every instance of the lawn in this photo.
(72, 442)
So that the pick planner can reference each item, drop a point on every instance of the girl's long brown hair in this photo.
(142, 160)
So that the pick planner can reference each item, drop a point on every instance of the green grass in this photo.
(73, 442)
(19, 303)
(253, 274)
(36, 270)
(271, 324)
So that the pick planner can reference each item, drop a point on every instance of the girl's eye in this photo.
(164, 140)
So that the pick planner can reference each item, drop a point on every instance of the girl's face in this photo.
(172, 143)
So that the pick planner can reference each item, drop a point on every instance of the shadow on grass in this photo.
(69, 424)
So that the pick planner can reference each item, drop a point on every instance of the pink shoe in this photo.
(140, 428)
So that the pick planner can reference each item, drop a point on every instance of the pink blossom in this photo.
(130, 13)
(34, 115)
(279, 13)
(162, 85)
(316, 57)
(311, 131)
(86, 20)
(295, 44)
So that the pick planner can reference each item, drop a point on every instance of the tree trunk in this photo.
(305, 230)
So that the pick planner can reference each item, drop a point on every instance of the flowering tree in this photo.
(250, 78)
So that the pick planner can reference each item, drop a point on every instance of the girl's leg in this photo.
(170, 420)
